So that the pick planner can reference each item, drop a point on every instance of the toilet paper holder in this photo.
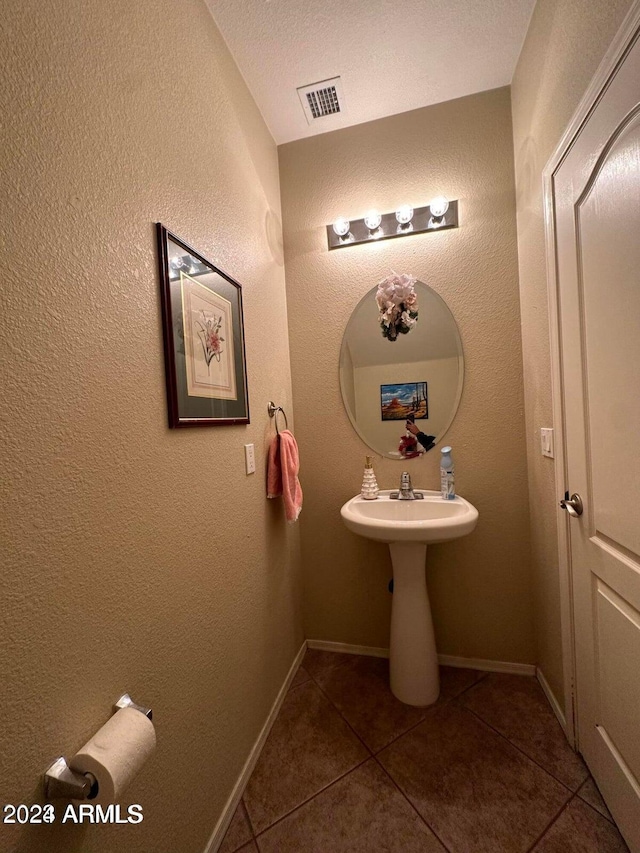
(60, 781)
(125, 701)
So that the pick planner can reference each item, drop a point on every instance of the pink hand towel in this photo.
(282, 473)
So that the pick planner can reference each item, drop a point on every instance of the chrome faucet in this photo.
(406, 492)
(406, 489)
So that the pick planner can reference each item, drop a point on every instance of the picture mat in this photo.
(202, 306)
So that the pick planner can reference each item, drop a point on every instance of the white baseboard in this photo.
(555, 705)
(488, 665)
(234, 798)
(347, 648)
(445, 660)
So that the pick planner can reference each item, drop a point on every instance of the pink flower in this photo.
(214, 342)
(396, 289)
(396, 297)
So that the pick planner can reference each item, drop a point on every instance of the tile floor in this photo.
(349, 769)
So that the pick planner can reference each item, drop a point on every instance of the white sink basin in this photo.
(426, 521)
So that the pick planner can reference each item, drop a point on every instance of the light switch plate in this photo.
(546, 442)
(250, 458)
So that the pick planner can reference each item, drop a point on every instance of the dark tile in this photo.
(239, 831)
(300, 677)
(580, 829)
(477, 792)
(362, 813)
(309, 746)
(249, 848)
(590, 794)
(455, 680)
(516, 706)
(316, 661)
(360, 690)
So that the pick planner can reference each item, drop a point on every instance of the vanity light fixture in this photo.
(372, 220)
(186, 264)
(404, 214)
(438, 207)
(341, 226)
(439, 214)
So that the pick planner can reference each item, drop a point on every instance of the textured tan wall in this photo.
(480, 585)
(565, 43)
(134, 557)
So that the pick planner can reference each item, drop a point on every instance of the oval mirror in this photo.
(419, 374)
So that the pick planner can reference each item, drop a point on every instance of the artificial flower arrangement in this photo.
(398, 305)
(408, 446)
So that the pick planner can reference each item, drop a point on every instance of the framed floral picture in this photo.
(204, 350)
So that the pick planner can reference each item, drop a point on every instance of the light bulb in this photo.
(341, 226)
(438, 206)
(404, 214)
(372, 220)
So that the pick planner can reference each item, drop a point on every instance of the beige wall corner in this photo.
(134, 557)
(564, 45)
(480, 586)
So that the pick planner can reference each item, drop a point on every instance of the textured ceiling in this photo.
(391, 56)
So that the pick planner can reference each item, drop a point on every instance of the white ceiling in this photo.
(392, 55)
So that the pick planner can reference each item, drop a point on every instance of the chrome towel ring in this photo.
(273, 413)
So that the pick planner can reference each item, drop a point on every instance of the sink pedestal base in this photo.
(413, 661)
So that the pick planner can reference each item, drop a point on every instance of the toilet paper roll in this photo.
(116, 752)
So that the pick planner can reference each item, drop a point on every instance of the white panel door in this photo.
(596, 193)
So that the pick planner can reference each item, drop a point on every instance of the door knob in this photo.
(573, 504)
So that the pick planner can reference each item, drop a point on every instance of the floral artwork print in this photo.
(210, 337)
(209, 350)
(397, 304)
(204, 352)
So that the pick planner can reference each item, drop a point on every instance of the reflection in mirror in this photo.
(418, 377)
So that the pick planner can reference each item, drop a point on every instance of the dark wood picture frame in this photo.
(205, 358)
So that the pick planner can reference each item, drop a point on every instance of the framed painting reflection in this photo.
(403, 400)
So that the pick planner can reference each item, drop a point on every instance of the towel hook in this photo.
(273, 413)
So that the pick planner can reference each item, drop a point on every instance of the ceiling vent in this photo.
(321, 99)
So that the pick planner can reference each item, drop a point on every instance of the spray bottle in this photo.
(447, 485)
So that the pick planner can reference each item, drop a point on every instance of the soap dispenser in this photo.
(369, 489)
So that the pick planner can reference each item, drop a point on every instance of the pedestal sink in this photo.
(408, 527)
